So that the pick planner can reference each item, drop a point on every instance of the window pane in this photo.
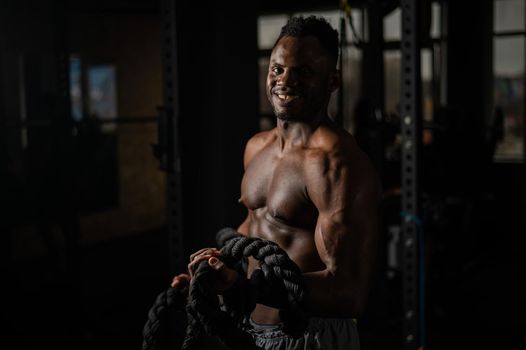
(351, 83)
(508, 56)
(509, 15)
(392, 81)
(392, 78)
(264, 105)
(435, 20)
(509, 95)
(102, 95)
(269, 28)
(427, 84)
(392, 26)
(393, 29)
(357, 16)
(75, 87)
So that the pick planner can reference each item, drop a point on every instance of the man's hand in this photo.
(223, 279)
(180, 281)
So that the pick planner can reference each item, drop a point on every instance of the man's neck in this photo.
(296, 133)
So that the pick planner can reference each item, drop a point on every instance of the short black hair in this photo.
(317, 27)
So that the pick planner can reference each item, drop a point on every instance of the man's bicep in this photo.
(347, 246)
(346, 232)
(328, 184)
(332, 239)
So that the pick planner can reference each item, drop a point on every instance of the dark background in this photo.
(85, 226)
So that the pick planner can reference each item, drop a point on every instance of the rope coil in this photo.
(206, 316)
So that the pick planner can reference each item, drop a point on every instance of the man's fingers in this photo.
(215, 263)
(199, 252)
(180, 280)
(193, 264)
(223, 279)
(205, 251)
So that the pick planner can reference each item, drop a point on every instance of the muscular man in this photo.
(309, 188)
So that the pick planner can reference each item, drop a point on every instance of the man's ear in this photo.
(334, 81)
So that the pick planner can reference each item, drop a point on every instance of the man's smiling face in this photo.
(301, 78)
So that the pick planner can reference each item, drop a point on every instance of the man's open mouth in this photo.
(287, 97)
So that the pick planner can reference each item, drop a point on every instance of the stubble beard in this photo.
(283, 116)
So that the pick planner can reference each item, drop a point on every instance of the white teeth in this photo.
(286, 97)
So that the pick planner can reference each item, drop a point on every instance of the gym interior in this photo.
(123, 125)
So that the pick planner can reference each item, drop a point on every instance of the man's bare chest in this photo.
(278, 184)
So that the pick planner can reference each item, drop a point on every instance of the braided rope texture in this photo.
(274, 262)
(275, 265)
(171, 300)
(203, 311)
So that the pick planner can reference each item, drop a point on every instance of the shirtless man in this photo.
(309, 188)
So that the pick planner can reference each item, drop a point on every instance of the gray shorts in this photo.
(321, 333)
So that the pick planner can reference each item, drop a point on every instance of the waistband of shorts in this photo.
(264, 326)
(315, 323)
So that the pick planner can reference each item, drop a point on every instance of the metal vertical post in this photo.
(62, 61)
(169, 135)
(411, 118)
(62, 128)
(339, 118)
(524, 140)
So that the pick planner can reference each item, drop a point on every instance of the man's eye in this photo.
(276, 70)
(305, 71)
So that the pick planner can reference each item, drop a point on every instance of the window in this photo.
(102, 95)
(100, 104)
(269, 28)
(508, 72)
(75, 86)
(94, 113)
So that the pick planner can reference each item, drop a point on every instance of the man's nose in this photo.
(288, 78)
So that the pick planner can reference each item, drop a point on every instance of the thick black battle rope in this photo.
(173, 299)
(275, 265)
(203, 310)
(206, 318)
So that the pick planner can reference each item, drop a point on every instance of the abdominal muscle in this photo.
(297, 242)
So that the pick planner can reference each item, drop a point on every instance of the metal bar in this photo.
(343, 39)
(524, 132)
(424, 43)
(411, 129)
(52, 122)
(170, 115)
(510, 33)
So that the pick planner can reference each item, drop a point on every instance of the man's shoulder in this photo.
(334, 150)
(332, 142)
(262, 136)
(257, 142)
(260, 139)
